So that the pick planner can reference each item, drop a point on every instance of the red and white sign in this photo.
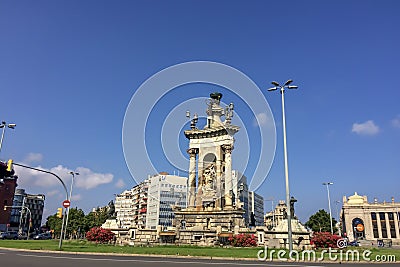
(66, 203)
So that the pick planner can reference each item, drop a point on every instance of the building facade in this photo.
(256, 209)
(131, 207)
(8, 183)
(166, 192)
(251, 202)
(370, 221)
(27, 209)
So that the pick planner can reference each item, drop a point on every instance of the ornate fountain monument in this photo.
(212, 211)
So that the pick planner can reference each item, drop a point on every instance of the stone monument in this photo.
(210, 212)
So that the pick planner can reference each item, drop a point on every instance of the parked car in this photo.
(354, 243)
(9, 235)
(22, 236)
(42, 236)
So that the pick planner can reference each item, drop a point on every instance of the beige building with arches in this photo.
(370, 221)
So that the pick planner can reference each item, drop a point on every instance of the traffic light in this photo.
(9, 165)
(59, 212)
(6, 169)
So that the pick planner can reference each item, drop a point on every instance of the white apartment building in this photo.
(165, 192)
(131, 207)
(251, 202)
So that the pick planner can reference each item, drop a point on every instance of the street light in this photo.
(3, 125)
(289, 216)
(70, 195)
(329, 203)
(65, 189)
(30, 216)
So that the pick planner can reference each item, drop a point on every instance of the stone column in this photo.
(219, 182)
(396, 224)
(192, 176)
(228, 174)
(389, 234)
(378, 221)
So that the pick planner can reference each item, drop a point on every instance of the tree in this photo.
(76, 222)
(95, 218)
(54, 224)
(320, 222)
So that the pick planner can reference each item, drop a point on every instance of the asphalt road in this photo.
(41, 259)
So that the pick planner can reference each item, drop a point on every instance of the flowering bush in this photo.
(324, 240)
(99, 235)
(243, 240)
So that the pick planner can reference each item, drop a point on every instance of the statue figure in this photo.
(209, 176)
(292, 201)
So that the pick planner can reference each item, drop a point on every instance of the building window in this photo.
(393, 233)
(383, 224)
(133, 234)
(374, 225)
(260, 237)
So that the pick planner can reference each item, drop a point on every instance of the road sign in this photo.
(360, 227)
(66, 203)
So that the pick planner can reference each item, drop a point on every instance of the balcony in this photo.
(144, 210)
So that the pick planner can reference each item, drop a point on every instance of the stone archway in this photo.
(358, 228)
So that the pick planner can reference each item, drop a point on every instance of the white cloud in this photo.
(366, 128)
(52, 193)
(261, 119)
(120, 183)
(87, 178)
(33, 157)
(396, 122)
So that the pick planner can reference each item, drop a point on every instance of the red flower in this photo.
(99, 235)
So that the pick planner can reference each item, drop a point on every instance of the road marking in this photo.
(165, 261)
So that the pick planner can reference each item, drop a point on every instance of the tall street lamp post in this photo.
(329, 203)
(70, 195)
(4, 125)
(289, 216)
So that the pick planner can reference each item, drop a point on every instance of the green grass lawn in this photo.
(85, 246)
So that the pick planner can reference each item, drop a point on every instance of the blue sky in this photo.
(68, 70)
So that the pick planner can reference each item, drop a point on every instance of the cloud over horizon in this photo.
(366, 128)
(87, 179)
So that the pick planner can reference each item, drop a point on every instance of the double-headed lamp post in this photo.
(289, 216)
(4, 125)
(70, 196)
(329, 203)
